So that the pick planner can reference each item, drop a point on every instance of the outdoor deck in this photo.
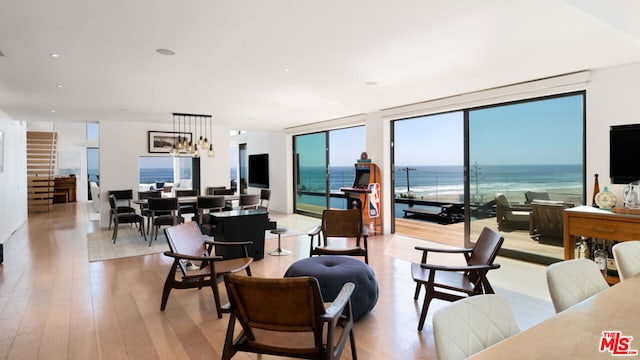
(453, 234)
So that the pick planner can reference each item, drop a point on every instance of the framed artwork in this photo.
(163, 141)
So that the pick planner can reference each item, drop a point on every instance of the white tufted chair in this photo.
(572, 281)
(627, 257)
(472, 324)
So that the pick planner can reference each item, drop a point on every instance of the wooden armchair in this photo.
(340, 224)
(192, 256)
(457, 281)
(287, 317)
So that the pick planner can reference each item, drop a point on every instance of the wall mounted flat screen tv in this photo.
(259, 170)
(624, 166)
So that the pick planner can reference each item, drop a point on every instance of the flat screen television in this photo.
(624, 166)
(259, 170)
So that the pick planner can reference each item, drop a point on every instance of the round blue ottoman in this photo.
(334, 271)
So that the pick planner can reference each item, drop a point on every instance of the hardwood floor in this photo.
(54, 304)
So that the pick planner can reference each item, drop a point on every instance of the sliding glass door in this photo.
(311, 173)
(526, 162)
(324, 163)
(513, 167)
(428, 157)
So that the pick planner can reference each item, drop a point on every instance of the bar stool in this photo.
(279, 251)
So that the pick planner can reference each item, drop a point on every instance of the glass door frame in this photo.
(296, 173)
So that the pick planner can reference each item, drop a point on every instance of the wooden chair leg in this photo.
(417, 293)
(168, 285)
(425, 306)
(228, 351)
(115, 233)
(144, 234)
(352, 339)
(216, 297)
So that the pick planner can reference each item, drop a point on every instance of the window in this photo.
(533, 147)
(160, 171)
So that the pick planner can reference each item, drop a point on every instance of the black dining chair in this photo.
(144, 207)
(124, 218)
(187, 208)
(122, 196)
(158, 206)
(205, 205)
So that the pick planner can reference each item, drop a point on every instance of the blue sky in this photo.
(346, 146)
(539, 132)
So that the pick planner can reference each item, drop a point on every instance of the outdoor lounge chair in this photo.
(511, 216)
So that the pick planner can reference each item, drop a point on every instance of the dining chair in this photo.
(124, 218)
(121, 196)
(265, 197)
(287, 317)
(627, 258)
(159, 208)
(470, 325)
(452, 282)
(187, 208)
(248, 201)
(572, 281)
(206, 205)
(144, 208)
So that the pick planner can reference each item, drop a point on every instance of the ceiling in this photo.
(265, 65)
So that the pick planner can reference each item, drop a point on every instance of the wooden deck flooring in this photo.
(453, 234)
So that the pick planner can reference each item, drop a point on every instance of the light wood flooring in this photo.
(54, 304)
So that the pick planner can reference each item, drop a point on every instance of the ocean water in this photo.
(152, 175)
(485, 181)
(446, 183)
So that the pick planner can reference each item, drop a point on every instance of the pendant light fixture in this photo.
(194, 126)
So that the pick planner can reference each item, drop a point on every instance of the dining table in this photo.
(604, 325)
(186, 200)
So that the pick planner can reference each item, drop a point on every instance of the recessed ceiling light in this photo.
(53, 111)
(165, 52)
(371, 83)
(285, 70)
(54, 55)
(334, 102)
(59, 86)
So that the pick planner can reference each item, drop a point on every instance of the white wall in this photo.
(122, 143)
(612, 99)
(13, 178)
(278, 146)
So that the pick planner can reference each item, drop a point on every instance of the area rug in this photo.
(129, 243)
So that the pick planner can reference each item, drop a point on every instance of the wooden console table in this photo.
(599, 224)
(64, 189)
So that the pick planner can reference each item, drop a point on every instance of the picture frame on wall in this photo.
(162, 141)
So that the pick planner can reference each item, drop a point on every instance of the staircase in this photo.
(41, 164)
